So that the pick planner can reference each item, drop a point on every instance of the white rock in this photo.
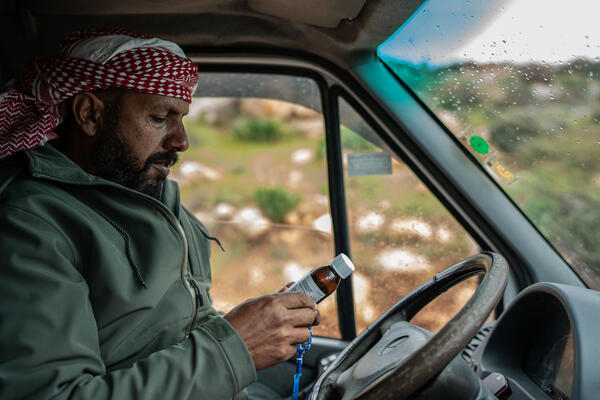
(328, 304)
(543, 91)
(321, 199)
(361, 286)
(313, 128)
(306, 113)
(203, 216)
(367, 312)
(295, 176)
(257, 275)
(450, 120)
(224, 210)
(370, 222)
(294, 272)
(413, 226)
(444, 235)
(323, 224)
(251, 221)
(302, 156)
(402, 260)
(385, 204)
(596, 180)
(193, 171)
(261, 108)
(213, 110)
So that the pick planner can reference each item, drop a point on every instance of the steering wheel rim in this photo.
(433, 356)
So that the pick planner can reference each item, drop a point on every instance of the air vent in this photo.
(468, 353)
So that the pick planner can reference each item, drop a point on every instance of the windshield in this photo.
(518, 83)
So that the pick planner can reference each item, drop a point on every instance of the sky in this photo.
(447, 31)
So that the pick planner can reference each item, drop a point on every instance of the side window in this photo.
(256, 176)
(400, 234)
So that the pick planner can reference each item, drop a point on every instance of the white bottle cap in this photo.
(342, 265)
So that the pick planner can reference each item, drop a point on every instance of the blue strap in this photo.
(299, 356)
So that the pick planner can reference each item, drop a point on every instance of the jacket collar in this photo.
(47, 162)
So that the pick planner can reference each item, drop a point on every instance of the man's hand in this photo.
(272, 325)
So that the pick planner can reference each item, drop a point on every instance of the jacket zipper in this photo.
(198, 303)
(192, 287)
(189, 281)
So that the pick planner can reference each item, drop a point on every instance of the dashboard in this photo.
(546, 344)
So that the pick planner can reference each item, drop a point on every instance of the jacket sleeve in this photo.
(49, 346)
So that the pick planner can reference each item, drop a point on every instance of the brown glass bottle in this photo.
(323, 280)
(326, 279)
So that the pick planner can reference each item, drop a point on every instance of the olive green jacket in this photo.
(104, 291)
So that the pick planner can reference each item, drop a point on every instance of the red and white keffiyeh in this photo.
(30, 110)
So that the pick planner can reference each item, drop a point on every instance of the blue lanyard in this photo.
(299, 355)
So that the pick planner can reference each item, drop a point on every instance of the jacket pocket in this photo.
(163, 326)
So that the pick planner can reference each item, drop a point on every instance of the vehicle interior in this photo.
(453, 156)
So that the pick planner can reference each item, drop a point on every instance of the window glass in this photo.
(256, 176)
(400, 234)
(518, 83)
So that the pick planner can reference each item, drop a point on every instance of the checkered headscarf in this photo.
(31, 109)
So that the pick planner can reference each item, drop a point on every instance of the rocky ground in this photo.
(262, 256)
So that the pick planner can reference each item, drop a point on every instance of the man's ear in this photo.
(87, 111)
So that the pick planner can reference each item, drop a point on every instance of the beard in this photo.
(115, 160)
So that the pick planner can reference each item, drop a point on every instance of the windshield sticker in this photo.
(499, 170)
(479, 144)
(362, 164)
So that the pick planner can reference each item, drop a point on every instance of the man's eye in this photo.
(159, 119)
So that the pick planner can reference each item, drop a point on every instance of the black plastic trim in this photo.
(344, 295)
(359, 91)
(337, 196)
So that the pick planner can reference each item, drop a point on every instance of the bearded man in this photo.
(104, 276)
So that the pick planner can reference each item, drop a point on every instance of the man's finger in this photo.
(302, 317)
(300, 335)
(286, 287)
(317, 319)
(297, 300)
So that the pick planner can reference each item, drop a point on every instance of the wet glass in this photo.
(400, 234)
(518, 83)
(256, 176)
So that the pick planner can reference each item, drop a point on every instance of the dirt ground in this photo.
(256, 273)
(262, 256)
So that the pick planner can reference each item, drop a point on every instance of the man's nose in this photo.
(177, 139)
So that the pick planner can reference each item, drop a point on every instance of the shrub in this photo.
(350, 141)
(276, 202)
(507, 134)
(354, 142)
(258, 129)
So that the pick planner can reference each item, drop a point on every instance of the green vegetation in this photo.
(508, 132)
(351, 141)
(254, 160)
(250, 129)
(544, 129)
(276, 202)
(355, 143)
(234, 158)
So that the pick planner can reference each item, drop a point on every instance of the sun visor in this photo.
(324, 13)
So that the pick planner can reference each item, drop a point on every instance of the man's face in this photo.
(138, 140)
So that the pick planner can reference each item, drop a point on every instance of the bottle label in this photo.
(307, 285)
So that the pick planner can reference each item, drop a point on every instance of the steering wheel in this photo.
(380, 363)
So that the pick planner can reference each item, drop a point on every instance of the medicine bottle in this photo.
(323, 280)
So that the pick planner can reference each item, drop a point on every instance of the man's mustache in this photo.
(171, 156)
